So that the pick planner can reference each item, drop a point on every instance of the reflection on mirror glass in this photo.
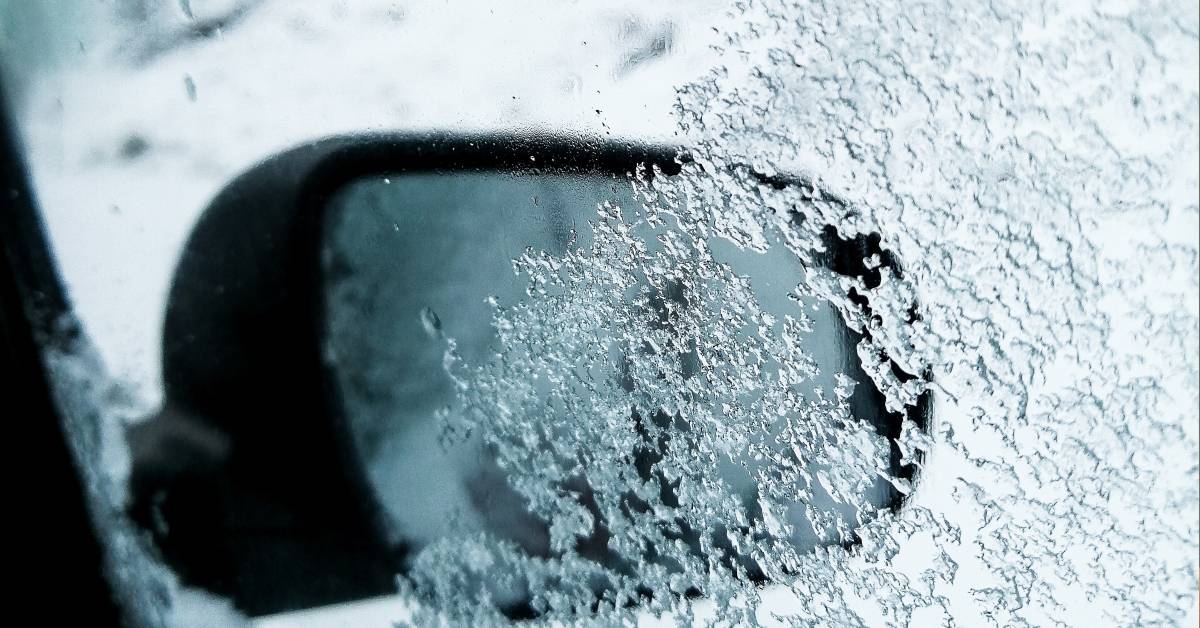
(505, 388)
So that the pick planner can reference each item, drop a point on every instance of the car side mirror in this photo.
(296, 461)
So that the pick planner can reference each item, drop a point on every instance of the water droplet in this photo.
(431, 322)
(190, 85)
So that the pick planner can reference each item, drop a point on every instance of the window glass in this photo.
(911, 339)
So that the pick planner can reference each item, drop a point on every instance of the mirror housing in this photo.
(272, 507)
(249, 477)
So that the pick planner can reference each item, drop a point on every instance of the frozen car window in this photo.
(1022, 179)
(1046, 216)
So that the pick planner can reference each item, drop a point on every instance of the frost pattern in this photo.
(1034, 165)
(1034, 168)
(662, 422)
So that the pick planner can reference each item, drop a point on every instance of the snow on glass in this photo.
(663, 424)
(659, 420)
(1030, 167)
(1033, 170)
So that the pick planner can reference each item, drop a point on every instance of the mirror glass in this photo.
(417, 267)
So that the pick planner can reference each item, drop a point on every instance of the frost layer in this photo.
(1033, 167)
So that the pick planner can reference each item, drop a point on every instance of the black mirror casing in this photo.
(274, 509)
(287, 520)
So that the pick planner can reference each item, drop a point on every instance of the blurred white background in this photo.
(137, 112)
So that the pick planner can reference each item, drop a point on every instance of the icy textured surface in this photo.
(629, 397)
(664, 425)
(1032, 166)
(1034, 169)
